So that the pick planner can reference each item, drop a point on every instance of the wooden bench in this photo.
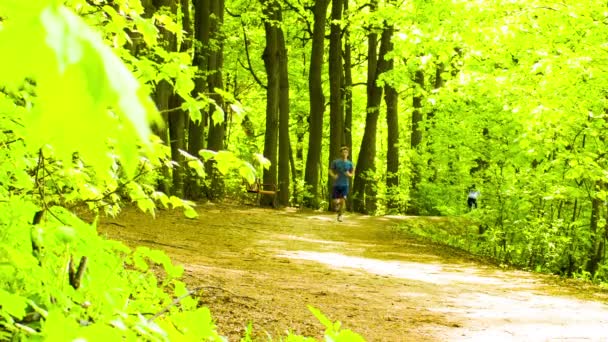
(259, 189)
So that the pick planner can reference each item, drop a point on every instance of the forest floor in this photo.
(265, 266)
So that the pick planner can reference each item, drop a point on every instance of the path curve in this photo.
(266, 266)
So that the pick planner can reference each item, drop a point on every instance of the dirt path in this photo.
(266, 266)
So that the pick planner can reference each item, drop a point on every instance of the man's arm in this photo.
(332, 170)
(350, 172)
(332, 174)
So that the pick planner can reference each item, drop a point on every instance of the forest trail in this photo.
(266, 266)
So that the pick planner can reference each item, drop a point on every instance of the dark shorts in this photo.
(339, 191)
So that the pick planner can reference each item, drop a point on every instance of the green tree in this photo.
(317, 105)
(364, 188)
(336, 98)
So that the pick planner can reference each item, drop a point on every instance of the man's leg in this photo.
(342, 202)
(335, 199)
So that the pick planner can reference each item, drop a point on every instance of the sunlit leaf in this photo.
(13, 304)
(189, 212)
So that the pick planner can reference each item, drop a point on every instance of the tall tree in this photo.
(415, 140)
(347, 86)
(391, 98)
(285, 152)
(317, 105)
(364, 188)
(169, 102)
(197, 123)
(271, 10)
(599, 234)
(336, 108)
(217, 113)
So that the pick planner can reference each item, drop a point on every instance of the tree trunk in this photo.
(597, 238)
(317, 106)
(162, 96)
(347, 91)
(416, 139)
(196, 127)
(391, 98)
(271, 63)
(364, 189)
(430, 122)
(217, 116)
(177, 130)
(336, 110)
(300, 133)
(284, 145)
(347, 85)
(439, 82)
(166, 99)
(598, 235)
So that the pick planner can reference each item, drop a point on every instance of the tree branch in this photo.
(255, 77)
(174, 303)
(75, 275)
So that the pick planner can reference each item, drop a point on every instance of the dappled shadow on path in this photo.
(266, 266)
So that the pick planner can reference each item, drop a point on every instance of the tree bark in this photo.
(217, 119)
(347, 88)
(596, 249)
(162, 95)
(177, 130)
(415, 140)
(284, 145)
(599, 235)
(167, 99)
(300, 134)
(391, 98)
(317, 106)
(271, 63)
(416, 137)
(196, 127)
(364, 189)
(336, 109)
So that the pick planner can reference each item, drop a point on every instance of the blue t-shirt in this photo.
(340, 167)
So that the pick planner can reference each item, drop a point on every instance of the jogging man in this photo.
(340, 170)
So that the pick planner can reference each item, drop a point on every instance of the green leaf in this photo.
(21, 37)
(247, 171)
(190, 213)
(347, 336)
(66, 234)
(147, 29)
(207, 154)
(193, 108)
(162, 197)
(225, 160)
(262, 160)
(319, 315)
(184, 84)
(175, 201)
(57, 327)
(78, 78)
(13, 304)
(192, 326)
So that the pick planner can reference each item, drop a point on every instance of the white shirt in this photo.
(473, 194)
